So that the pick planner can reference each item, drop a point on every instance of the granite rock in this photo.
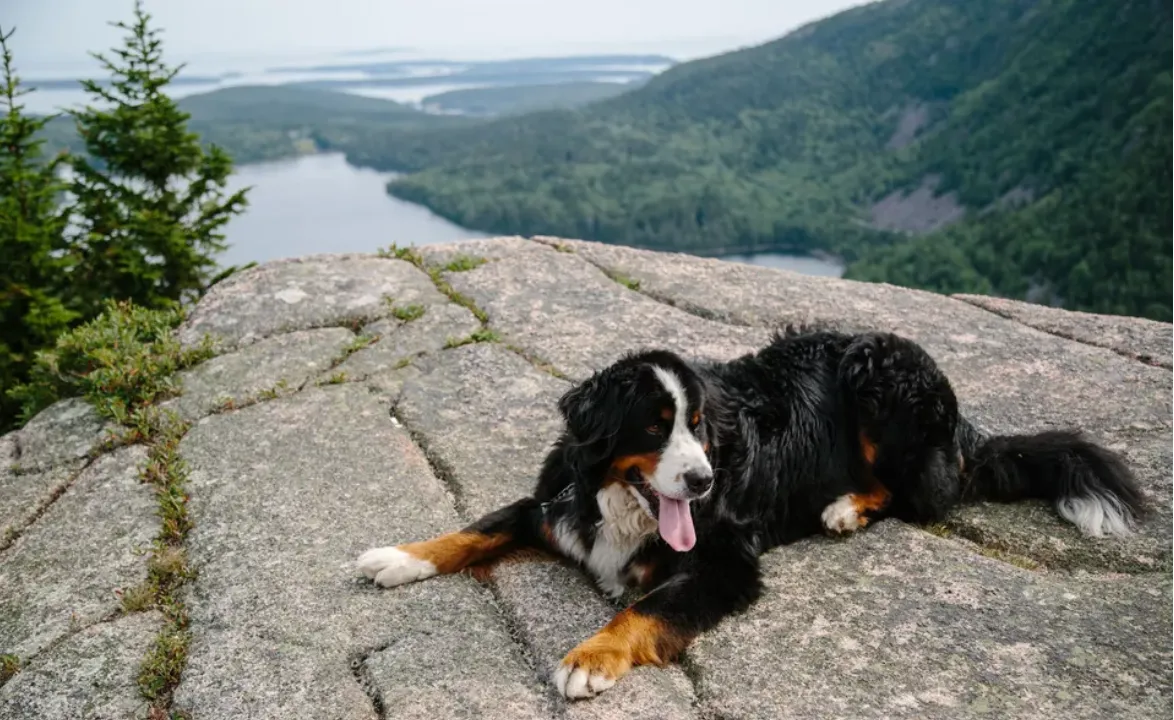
(1003, 611)
(62, 573)
(286, 494)
(276, 365)
(305, 293)
(92, 674)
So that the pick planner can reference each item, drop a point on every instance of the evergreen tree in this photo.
(151, 203)
(33, 272)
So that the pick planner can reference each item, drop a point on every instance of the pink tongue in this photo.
(676, 524)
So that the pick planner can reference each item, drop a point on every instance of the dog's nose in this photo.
(698, 481)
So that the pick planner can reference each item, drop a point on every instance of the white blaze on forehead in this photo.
(683, 452)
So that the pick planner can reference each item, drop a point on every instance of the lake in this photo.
(319, 203)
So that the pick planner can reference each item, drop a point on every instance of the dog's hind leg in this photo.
(905, 417)
(853, 511)
(500, 532)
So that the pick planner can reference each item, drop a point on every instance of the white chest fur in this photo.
(622, 530)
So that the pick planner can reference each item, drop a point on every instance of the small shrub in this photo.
(121, 360)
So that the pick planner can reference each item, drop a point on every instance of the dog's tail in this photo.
(1090, 486)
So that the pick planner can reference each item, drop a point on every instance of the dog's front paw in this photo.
(587, 671)
(390, 566)
(842, 516)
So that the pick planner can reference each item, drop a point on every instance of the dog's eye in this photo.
(653, 429)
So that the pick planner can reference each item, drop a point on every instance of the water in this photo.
(319, 204)
(805, 264)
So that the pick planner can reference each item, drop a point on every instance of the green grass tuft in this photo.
(409, 254)
(477, 336)
(624, 280)
(161, 669)
(485, 335)
(361, 341)
(137, 598)
(9, 666)
(402, 363)
(408, 313)
(167, 567)
(464, 263)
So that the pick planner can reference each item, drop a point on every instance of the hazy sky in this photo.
(61, 31)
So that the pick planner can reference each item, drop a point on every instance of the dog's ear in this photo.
(594, 409)
(583, 408)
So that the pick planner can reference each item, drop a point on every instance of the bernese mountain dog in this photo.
(673, 477)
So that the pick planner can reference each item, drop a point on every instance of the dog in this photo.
(672, 477)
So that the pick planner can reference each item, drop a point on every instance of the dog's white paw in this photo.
(841, 516)
(576, 683)
(390, 566)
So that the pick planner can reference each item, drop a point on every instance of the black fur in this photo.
(784, 429)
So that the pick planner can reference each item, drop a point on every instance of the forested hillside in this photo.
(255, 123)
(518, 99)
(1026, 144)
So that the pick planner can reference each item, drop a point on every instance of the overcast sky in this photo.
(60, 31)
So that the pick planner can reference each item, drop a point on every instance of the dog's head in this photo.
(643, 422)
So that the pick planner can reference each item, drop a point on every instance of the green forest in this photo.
(1048, 123)
(519, 99)
(258, 123)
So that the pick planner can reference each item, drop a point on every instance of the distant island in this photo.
(574, 69)
(488, 67)
(518, 99)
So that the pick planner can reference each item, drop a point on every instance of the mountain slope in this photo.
(518, 99)
(901, 115)
(265, 122)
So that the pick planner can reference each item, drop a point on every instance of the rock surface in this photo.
(305, 293)
(399, 341)
(1138, 338)
(24, 494)
(274, 366)
(91, 675)
(285, 494)
(65, 432)
(897, 623)
(409, 436)
(62, 572)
